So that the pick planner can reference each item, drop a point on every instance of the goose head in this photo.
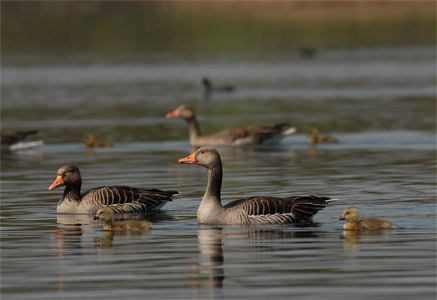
(350, 214)
(205, 156)
(67, 175)
(183, 111)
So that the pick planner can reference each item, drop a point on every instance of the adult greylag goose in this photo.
(121, 199)
(315, 138)
(351, 214)
(236, 136)
(107, 215)
(16, 139)
(252, 210)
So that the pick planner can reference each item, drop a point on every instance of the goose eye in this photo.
(347, 213)
(203, 151)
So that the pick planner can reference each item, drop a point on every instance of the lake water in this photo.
(380, 103)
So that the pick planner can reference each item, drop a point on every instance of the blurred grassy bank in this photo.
(195, 30)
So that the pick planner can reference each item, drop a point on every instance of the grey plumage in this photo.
(235, 136)
(121, 199)
(252, 210)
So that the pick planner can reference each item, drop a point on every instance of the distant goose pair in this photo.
(123, 199)
(232, 137)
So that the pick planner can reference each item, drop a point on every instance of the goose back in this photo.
(125, 199)
(275, 210)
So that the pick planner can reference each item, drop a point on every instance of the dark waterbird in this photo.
(209, 88)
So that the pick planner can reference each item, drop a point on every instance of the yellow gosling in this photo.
(107, 215)
(91, 142)
(315, 138)
(350, 215)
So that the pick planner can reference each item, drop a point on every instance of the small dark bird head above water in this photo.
(205, 82)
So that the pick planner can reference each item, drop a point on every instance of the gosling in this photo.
(107, 215)
(91, 142)
(350, 215)
(316, 139)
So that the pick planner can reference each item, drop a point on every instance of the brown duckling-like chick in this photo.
(107, 215)
(315, 138)
(91, 142)
(350, 215)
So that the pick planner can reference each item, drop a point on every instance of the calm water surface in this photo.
(380, 105)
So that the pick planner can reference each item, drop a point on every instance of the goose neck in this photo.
(215, 175)
(193, 127)
(72, 192)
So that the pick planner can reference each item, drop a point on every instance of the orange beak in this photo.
(188, 160)
(173, 114)
(58, 182)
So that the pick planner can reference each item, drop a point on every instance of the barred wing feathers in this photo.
(276, 210)
(125, 199)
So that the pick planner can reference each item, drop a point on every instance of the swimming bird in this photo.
(107, 215)
(16, 140)
(121, 199)
(209, 89)
(235, 136)
(350, 215)
(251, 210)
(315, 138)
(91, 142)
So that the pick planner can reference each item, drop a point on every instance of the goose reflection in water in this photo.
(210, 272)
(71, 228)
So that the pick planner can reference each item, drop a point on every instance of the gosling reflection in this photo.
(107, 241)
(353, 238)
(74, 231)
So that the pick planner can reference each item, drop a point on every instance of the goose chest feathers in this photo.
(120, 199)
(263, 135)
(251, 210)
